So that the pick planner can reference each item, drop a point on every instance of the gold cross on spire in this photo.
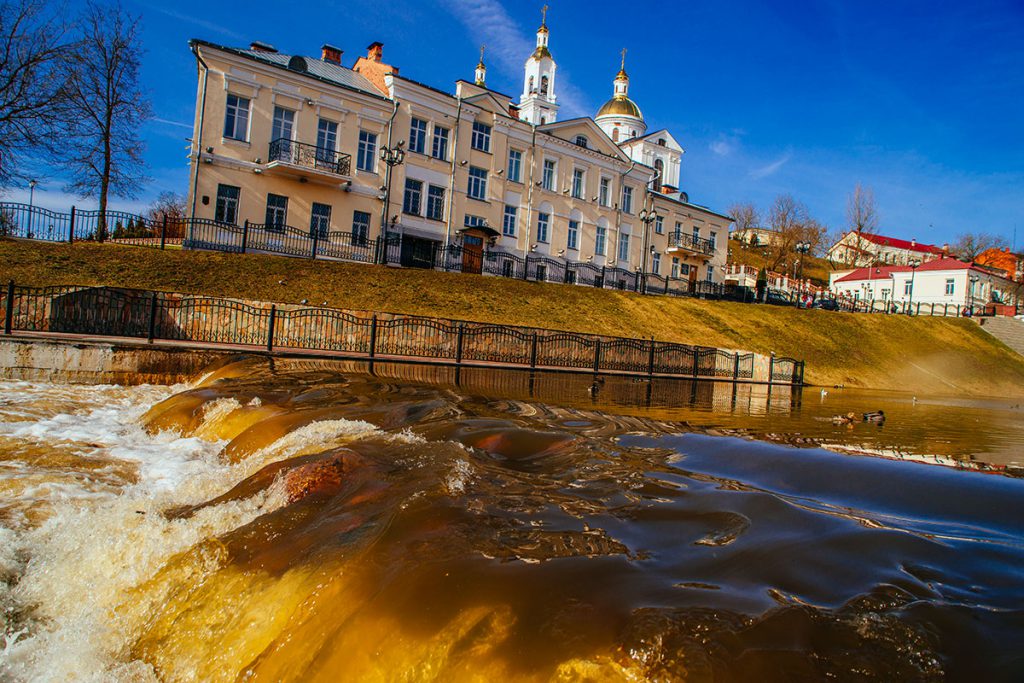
(482, 48)
(623, 59)
(544, 15)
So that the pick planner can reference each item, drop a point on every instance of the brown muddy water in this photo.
(302, 521)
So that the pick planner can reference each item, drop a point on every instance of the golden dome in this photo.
(620, 106)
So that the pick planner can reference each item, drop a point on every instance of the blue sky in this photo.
(921, 100)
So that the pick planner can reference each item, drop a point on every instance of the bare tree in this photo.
(172, 207)
(969, 245)
(33, 81)
(104, 154)
(793, 224)
(745, 216)
(861, 219)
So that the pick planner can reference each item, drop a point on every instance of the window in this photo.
(277, 212)
(659, 166)
(326, 138)
(950, 285)
(474, 221)
(508, 222)
(623, 246)
(284, 124)
(360, 227)
(659, 225)
(577, 183)
(885, 293)
(543, 85)
(600, 240)
(227, 204)
(711, 240)
(547, 179)
(418, 136)
(656, 263)
(320, 221)
(439, 145)
(710, 277)
(435, 203)
(581, 140)
(675, 267)
(604, 194)
(236, 118)
(574, 235)
(696, 234)
(543, 221)
(481, 139)
(477, 188)
(366, 158)
(908, 288)
(413, 199)
(627, 199)
(615, 135)
(515, 165)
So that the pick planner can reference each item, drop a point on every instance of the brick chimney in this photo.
(373, 68)
(330, 54)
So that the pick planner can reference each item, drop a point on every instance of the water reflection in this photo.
(966, 432)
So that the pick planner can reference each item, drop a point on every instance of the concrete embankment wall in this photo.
(101, 363)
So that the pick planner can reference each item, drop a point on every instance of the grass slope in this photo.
(925, 355)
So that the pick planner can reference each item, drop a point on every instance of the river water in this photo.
(287, 520)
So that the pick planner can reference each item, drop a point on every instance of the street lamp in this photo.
(914, 263)
(391, 157)
(801, 248)
(648, 216)
(971, 297)
(31, 192)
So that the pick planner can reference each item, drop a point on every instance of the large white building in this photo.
(942, 281)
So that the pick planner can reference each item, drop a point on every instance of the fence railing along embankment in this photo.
(211, 322)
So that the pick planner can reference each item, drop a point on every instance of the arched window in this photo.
(581, 140)
(661, 141)
(659, 166)
(543, 85)
(543, 120)
(615, 134)
(531, 88)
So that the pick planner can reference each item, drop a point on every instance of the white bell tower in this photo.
(538, 104)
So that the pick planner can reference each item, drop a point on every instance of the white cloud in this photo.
(202, 23)
(772, 168)
(721, 147)
(508, 47)
(168, 122)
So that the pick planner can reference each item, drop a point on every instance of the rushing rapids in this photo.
(284, 521)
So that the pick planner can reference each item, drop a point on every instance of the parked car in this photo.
(826, 304)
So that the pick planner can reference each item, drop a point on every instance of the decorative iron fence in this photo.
(134, 313)
(116, 227)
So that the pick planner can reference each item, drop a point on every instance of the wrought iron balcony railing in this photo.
(310, 156)
(687, 241)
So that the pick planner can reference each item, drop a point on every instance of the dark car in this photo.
(826, 304)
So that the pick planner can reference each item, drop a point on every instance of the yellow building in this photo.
(288, 148)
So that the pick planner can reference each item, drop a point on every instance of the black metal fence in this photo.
(120, 312)
(118, 227)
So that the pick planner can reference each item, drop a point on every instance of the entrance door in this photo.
(472, 254)
(693, 278)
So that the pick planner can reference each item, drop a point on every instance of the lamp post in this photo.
(31, 196)
(391, 157)
(970, 294)
(914, 263)
(648, 216)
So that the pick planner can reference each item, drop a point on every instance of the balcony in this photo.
(300, 160)
(683, 242)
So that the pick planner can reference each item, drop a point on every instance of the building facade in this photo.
(864, 249)
(941, 281)
(302, 144)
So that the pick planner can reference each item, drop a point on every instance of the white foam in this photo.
(62, 582)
